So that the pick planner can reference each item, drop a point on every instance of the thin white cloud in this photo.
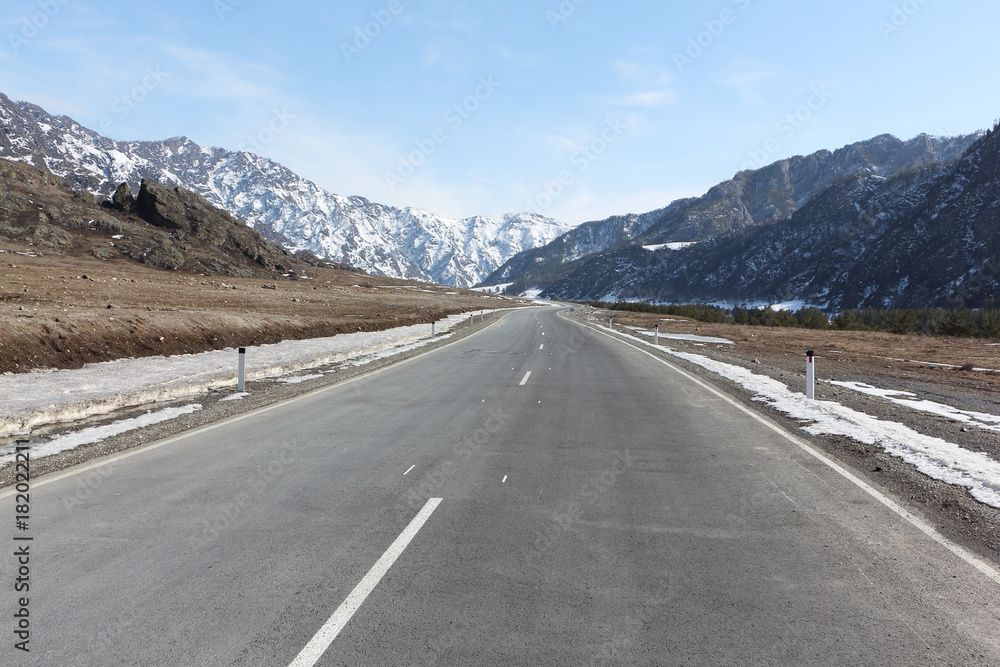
(749, 78)
(649, 100)
(561, 142)
(219, 76)
(651, 86)
(520, 59)
(645, 75)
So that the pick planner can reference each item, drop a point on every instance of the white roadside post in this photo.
(472, 319)
(432, 331)
(810, 375)
(611, 323)
(656, 334)
(241, 374)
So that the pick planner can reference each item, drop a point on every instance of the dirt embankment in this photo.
(61, 312)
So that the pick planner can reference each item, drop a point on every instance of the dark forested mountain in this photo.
(923, 236)
(750, 199)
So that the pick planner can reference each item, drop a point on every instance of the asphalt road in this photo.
(604, 509)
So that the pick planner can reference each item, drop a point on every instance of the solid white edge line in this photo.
(913, 519)
(156, 444)
(524, 380)
(321, 641)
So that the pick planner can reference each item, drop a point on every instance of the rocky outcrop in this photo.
(190, 217)
(123, 200)
(164, 228)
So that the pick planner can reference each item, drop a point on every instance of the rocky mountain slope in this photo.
(928, 236)
(749, 199)
(404, 243)
(163, 228)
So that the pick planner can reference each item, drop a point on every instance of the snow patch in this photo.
(680, 245)
(299, 379)
(690, 338)
(95, 434)
(908, 399)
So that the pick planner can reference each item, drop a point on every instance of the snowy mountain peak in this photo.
(403, 243)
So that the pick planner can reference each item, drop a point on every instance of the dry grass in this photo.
(64, 312)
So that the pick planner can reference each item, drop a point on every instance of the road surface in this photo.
(576, 503)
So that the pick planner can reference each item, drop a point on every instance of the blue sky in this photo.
(577, 109)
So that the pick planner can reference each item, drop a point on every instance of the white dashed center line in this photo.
(317, 646)
(410, 470)
(524, 380)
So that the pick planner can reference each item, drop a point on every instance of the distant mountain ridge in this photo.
(282, 206)
(750, 199)
(927, 236)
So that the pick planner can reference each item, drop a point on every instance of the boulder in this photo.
(123, 200)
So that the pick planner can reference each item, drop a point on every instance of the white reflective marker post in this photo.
(656, 334)
(241, 374)
(810, 374)
(432, 331)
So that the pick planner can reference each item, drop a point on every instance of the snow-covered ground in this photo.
(691, 338)
(935, 457)
(981, 420)
(94, 434)
(492, 289)
(679, 245)
(28, 400)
